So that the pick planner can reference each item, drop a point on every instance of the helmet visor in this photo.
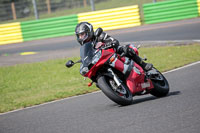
(82, 36)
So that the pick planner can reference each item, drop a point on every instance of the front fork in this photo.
(118, 87)
(115, 77)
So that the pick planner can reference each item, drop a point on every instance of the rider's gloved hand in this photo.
(108, 45)
(113, 44)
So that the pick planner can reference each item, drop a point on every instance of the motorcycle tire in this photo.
(106, 87)
(161, 87)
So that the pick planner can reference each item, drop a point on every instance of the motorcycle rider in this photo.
(85, 33)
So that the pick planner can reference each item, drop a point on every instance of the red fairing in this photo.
(106, 54)
(122, 59)
(119, 65)
(136, 75)
(135, 81)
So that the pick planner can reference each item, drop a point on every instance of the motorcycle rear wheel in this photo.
(108, 89)
(161, 87)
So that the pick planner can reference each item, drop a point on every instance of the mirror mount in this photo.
(70, 63)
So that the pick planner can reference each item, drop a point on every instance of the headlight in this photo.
(84, 70)
(96, 58)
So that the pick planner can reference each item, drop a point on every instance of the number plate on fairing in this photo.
(145, 85)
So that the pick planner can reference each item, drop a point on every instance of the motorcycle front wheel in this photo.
(120, 95)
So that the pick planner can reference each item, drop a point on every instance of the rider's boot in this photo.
(139, 61)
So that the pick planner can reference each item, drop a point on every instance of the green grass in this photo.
(31, 84)
(167, 58)
(99, 6)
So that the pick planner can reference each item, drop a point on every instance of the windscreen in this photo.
(87, 52)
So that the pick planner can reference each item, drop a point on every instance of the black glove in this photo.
(113, 44)
(108, 45)
(129, 52)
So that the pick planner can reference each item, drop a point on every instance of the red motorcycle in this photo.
(119, 78)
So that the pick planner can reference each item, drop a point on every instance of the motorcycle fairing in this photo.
(87, 52)
(106, 56)
(136, 78)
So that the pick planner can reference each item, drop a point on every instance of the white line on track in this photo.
(192, 64)
(35, 106)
